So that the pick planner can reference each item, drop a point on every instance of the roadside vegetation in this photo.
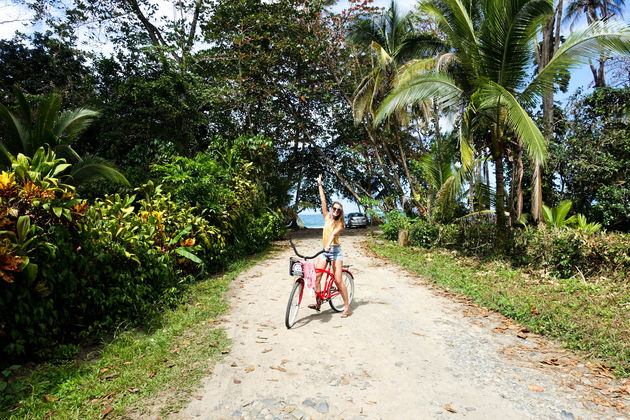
(133, 368)
(586, 313)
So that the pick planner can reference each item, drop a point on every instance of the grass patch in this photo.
(593, 317)
(130, 372)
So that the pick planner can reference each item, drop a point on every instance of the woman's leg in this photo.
(319, 265)
(338, 264)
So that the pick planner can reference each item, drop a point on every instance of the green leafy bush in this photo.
(223, 183)
(395, 221)
(423, 233)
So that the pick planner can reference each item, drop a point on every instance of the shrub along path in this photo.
(408, 350)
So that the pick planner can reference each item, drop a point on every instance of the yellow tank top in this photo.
(329, 226)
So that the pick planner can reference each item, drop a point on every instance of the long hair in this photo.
(340, 218)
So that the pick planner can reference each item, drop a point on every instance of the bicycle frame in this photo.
(329, 293)
(325, 294)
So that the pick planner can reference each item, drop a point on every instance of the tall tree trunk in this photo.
(550, 45)
(501, 239)
(516, 191)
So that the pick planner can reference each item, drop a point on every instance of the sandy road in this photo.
(407, 351)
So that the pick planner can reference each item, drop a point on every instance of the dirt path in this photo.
(408, 351)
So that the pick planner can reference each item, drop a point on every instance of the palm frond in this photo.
(413, 69)
(493, 95)
(72, 123)
(434, 86)
(610, 35)
(14, 135)
(91, 167)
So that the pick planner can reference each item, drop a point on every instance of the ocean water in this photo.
(312, 220)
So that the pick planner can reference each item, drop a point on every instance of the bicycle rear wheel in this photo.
(336, 302)
(293, 306)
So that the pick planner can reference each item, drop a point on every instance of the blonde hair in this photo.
(341, 217)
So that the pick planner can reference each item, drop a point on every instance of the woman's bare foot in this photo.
(345, 314)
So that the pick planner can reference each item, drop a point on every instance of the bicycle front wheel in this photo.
(336, 302)
(293, 306)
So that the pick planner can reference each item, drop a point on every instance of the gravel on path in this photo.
(407, 351)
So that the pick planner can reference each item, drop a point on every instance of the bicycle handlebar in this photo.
(302, 256)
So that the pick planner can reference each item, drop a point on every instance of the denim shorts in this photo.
(334, 254)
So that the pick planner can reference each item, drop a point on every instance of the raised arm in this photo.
(322, 196)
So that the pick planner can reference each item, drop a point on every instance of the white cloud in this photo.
(13, 18)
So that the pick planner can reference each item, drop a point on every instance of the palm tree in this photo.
(595, 10)
(493, 42)
(393, 40)
(48, 127)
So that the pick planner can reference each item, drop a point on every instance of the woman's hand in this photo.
(319, 179)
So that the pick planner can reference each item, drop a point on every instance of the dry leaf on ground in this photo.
(535, 388)
(106, 412)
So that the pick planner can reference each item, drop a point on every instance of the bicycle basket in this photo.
(295, 267)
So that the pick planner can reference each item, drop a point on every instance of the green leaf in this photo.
(23, 227)
(184, 253)
(179, 235)
(57, 211)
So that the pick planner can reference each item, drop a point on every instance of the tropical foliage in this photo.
(221, 117)
(48, 127)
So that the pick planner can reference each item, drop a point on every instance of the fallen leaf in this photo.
(48, 398)
(249, 369)
(266, 350)
(535, 388)
(132, 390)
(272, 380)
(620, 406)
(105, 369)
(170, 365)
(94, 401)
(108, 396)
(198, 397)
(234, 364)
(107, 411)
(185, 343)
(420, 334)
(49, 415)
(141, 356)
(280, 368)
(127, 363)
(601, 402)
(151, 375)
(450, 409)
(237, 381)
(225, 351)
(522, 335)
(288, 409)
(111, 375)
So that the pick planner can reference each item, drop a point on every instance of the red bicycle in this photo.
(329, 292)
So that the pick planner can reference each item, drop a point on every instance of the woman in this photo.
(333, 225)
